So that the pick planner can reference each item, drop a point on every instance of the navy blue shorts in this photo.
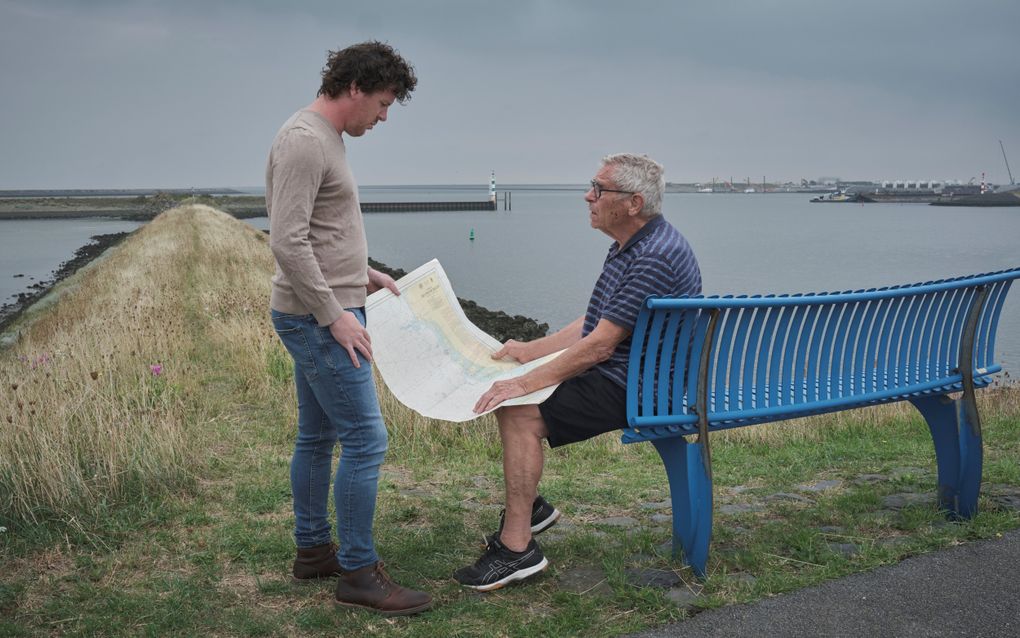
(583, 407)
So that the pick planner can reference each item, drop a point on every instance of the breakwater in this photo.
(145, 208)
(495, 322)
(424, 207)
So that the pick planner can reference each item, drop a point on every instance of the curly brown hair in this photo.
(371, 66)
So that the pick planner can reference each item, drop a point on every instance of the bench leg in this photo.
(958, 452)
(690, 489)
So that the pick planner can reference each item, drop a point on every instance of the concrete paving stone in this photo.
(658, 505)
(867, 479)
(648, 577)
(846, 549)
(637, 559)
(1000, 489)
(739, 508)
(682, 597)
(820, 486)
(561, 530)
(1007, 502)
(909, 471)
(786, 496)
(618, 521)
(893, 541)
(907, 499)
(662, 518)
(665, 548)
(586, 581)
(744, 578)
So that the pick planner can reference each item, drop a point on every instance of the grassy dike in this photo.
(146, 422)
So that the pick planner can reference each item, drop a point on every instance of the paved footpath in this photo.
(967, 590)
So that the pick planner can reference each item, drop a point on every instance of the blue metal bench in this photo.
(703, 364)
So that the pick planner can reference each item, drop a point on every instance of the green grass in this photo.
(211, 554)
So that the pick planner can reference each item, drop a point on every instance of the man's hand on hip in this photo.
(350, 334)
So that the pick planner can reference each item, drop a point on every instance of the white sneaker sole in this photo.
(517, 575)
(547, 523)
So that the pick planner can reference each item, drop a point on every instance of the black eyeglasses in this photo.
(599, 189)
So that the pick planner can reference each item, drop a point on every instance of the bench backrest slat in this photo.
(945, 315)
(870, 373)
(736, 359)
(962, 310)
(762, 357)
(924, 353)
(697, 344)
(775, 357)
(790, 352)
(664, 392)
(802, 347)
(984, 353)
(814, 354)
(678, 392)
(835, 356)
(750, 358)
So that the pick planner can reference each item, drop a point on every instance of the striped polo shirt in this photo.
(657, 260)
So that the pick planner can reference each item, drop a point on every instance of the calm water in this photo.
(541, 258)
(35, 248)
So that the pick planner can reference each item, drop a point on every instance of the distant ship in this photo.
(840, 197)
(998, 198)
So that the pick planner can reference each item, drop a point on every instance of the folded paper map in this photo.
(431, 357)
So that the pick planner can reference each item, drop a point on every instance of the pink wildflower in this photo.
(157, 369)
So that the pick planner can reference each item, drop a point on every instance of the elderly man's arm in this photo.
(582, 355)
(525, 351)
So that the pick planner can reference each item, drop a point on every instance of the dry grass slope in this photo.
(98, 396)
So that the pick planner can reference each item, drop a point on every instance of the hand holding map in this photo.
(432, 358)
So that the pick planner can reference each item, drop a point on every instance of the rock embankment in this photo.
(98, 245)
(495, 322)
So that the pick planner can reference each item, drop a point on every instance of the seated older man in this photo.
(647, 257)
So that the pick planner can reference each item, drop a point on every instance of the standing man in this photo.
(318, 298)
(648, 257)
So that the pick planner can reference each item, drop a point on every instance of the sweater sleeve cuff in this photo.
(328, 313)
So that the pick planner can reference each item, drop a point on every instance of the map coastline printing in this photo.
(431, 357)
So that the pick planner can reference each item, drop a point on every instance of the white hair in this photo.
(639, 174)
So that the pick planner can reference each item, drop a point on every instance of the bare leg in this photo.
(521, 429)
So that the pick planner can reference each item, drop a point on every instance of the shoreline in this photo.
(98, 244)
(497, 323)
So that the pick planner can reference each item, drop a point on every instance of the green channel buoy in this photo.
(471, 236)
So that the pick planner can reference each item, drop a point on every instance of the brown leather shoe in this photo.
(316, 562)
(371, 588)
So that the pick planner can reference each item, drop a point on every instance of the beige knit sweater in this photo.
(315, 227)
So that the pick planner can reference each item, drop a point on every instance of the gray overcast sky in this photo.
(182, 93)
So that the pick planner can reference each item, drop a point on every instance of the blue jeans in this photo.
(336, 402)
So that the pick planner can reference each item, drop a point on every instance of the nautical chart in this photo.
(432, 358)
